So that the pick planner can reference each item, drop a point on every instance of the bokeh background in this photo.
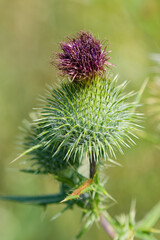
(29, 34)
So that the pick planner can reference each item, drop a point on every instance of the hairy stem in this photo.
(107, 227)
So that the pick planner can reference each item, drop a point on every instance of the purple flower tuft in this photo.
(82, 57)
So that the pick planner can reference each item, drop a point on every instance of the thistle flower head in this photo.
(83, 57)
(94, 117)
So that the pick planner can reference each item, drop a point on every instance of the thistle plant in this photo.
(88, 117)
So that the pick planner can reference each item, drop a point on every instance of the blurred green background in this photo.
(29, 34)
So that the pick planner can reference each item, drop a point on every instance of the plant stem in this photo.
(92, 165)
(107, 227)
(103, 221)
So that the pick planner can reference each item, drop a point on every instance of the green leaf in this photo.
(61, 212)
(35, 200)
(70, 197)
(84, 229)
(154, 230)
(85, 187)
(150, 219)
(98, 188)
(31, 171)
(145, 236)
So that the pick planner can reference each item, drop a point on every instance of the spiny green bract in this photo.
(92, 117)
(42, 158)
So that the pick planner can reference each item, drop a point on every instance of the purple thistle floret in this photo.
(82, 57)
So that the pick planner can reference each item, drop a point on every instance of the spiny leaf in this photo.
(61, 212)
(84, 229)
(101, 190)
(31, 171)
(150, 219)
(154, 230)
(145, 236)
(35, 200)
(85, 187)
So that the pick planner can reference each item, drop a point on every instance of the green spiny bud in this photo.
(94, 117)
(44, 161)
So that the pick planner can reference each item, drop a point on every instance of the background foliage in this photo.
(30, 31)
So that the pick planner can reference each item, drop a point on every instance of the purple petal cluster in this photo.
(82, 57)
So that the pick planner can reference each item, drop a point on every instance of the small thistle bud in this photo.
(82, 57)
(43, 159)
